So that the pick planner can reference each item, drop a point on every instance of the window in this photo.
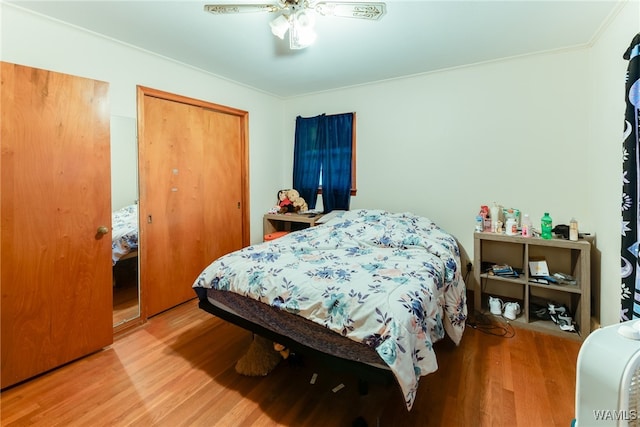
(324, 159)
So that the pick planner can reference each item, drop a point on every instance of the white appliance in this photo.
(608, 377)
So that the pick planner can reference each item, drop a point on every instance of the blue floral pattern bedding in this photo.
(389, 280)
(124, 236)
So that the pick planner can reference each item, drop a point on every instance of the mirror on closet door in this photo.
(124, 204)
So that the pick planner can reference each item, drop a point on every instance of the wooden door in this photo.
(224, 169)
(55, 181)
(193, 192)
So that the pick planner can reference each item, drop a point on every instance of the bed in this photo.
(124, 234)
(369, 288)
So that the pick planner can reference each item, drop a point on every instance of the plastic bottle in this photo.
(479, 223)
(546, 226)
(526, 226)
(573, 230)
(495, 214)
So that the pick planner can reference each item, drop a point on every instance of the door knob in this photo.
(103, 230)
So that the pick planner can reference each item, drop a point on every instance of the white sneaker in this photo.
(495, 306)
(511, 310)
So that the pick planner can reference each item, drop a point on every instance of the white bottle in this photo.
(495, 213)
(573, 230)
(526, 226)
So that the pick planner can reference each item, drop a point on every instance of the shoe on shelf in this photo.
(558, 309)
(539, 311)
(511, 310)
(564, 322)
(495, 306)
(561, 316)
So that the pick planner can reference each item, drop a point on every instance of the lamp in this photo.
(279, 26)
(301, 33)
(300, 26)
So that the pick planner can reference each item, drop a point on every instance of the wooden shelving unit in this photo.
(573, 258)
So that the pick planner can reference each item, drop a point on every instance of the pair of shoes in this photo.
(561, 316)
(510, 310)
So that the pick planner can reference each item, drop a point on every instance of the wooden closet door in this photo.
(192, 193)
(224, 184)
(55, 193)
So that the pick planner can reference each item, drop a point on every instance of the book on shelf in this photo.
(503, 270)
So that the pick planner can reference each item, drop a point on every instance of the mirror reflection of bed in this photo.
(124, 255)
(124, 224)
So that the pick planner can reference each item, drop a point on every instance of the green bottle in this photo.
(546, 226)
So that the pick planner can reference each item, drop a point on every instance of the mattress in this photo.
(387, 281)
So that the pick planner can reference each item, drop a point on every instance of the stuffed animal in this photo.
(260, 358)
(284, 351)
(285, 205)
(299, 205)
(289, 201)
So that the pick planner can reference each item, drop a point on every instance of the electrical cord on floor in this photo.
(484, 324)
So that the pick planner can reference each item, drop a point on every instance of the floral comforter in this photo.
(124, 237)
(390, 281)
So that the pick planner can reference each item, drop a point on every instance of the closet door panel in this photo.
(224, 202)
(55, 193)
(172, 246)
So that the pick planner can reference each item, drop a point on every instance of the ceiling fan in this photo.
(297, 16)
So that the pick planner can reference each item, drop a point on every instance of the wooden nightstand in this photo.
(288, 222)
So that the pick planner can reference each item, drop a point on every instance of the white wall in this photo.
(33, 40)
(520, 132)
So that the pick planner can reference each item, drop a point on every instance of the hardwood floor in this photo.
(178, 370)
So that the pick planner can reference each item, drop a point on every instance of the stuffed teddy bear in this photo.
(299, 204)
(289, 201)
(260, 359)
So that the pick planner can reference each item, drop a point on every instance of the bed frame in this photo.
(371, 371)
(132, 254)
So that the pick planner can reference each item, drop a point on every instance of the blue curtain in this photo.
(324, 143)
(336, 165)
(630, 307)
(307, 157)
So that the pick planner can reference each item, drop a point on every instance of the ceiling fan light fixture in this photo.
(298, 16)
(301, 31)
(304, 19)
(279, 26)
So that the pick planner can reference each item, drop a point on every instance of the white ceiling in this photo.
(413, 37)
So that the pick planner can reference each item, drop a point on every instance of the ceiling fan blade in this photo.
(221, 9)
(372, 11)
